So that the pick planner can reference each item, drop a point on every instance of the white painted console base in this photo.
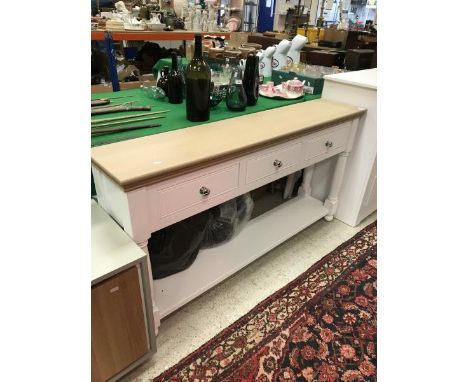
(149, 208)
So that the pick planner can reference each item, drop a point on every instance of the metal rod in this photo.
(124, 128)
(128, 116)
(114, 105)
(120, 109)
(128, 96)
(129, 121)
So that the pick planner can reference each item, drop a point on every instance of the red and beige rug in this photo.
(320, 327)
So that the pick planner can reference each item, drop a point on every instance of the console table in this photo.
(149, 183)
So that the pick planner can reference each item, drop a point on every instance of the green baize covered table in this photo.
(174, 119)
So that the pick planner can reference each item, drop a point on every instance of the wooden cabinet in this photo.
(122, 325)
(118, 328)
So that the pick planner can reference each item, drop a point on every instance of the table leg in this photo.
(331, 203)
(155, 310)
(306, 188)
(290, 182)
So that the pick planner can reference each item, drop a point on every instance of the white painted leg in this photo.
(306, 188)
(288, 187)
(331, 203)
(290, 182)
(156, 315)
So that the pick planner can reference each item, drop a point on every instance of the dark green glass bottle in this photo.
(162, 82)
(251, 79)
(174, 82)
(197, 79)
(236, 99)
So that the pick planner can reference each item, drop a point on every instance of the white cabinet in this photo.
(358, 194)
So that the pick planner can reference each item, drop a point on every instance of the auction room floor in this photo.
(195, 323)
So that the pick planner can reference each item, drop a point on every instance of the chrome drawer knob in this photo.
(277, 163)
(329, 144)
(204, 191)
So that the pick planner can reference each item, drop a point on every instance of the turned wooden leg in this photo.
(331, 203)
(288, 187)
(155, 310)
(290, 182)
(306, 188)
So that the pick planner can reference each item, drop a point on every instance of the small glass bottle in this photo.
(162, 82)
(174, 82)
(236, 99)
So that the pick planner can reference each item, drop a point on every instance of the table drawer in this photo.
(198, 190)
(273, 162)
(326, 143)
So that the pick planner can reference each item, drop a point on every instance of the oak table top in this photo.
(143, 161)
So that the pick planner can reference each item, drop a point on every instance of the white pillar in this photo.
(314, 9)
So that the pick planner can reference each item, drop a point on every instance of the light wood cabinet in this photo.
(122, 325)
(118, 328)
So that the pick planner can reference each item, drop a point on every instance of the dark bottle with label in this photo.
(162, 82)
(197, 79)
(251, 79)
(174, 82)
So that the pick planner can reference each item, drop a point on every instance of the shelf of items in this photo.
(110, 36)
(153, 36)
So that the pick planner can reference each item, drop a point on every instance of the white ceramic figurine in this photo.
(197, 20)
(294, 53)
(280, 57)
(189, 19)
(204, 22)
(212, 25)
(265, 61)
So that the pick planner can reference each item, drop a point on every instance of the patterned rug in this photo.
(320, 327)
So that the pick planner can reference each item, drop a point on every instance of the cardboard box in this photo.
(237, 39)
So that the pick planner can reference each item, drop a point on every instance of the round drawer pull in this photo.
(277, 163)
(329, 144)
(204, 191)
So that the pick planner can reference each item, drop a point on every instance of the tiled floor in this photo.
(191, 326)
